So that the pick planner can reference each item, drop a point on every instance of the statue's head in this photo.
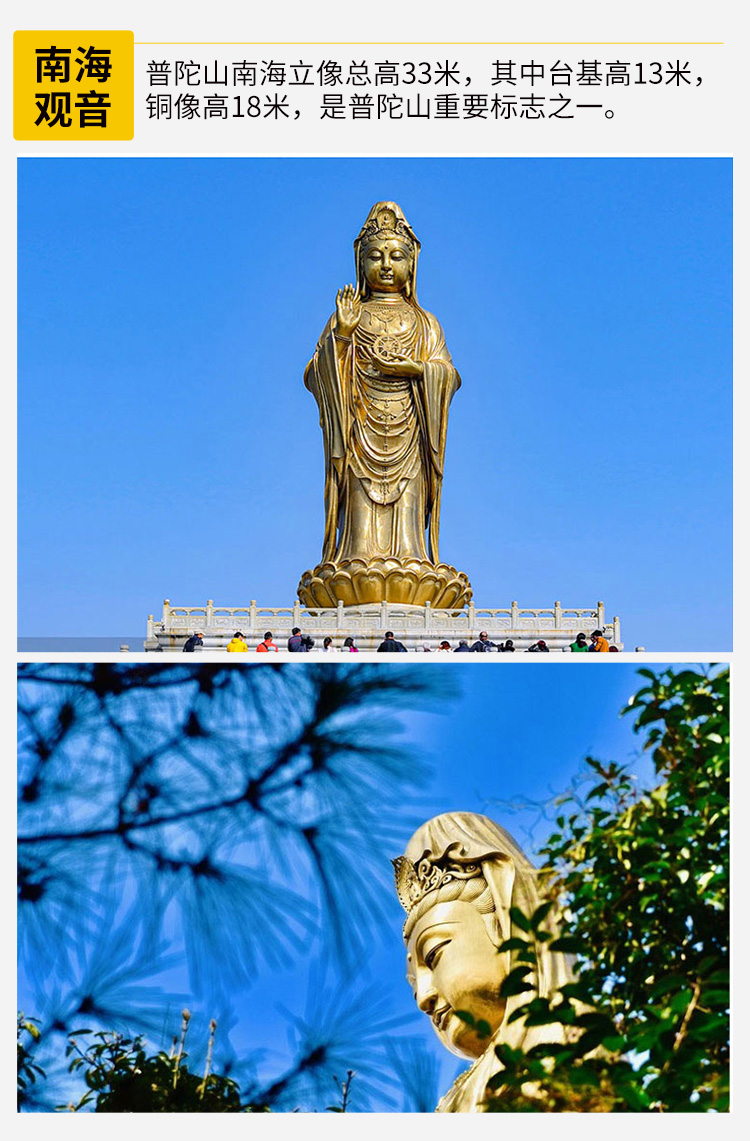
(457, 881)
(385, 252)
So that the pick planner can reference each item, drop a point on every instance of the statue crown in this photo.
(415, 881)
(384, 225)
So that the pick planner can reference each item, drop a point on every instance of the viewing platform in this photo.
(416, 627)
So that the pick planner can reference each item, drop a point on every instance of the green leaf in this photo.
(513, 944)
(598, 790)
(465, 1016)
(515, 982)
(568, 943)
(541, 913)
(576, 990)
(520, 920)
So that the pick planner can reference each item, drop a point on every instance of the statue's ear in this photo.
(500, 874)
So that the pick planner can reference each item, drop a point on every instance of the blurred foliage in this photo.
(642, 879)
(122, 1077)
(29, 1071)
(221, 819)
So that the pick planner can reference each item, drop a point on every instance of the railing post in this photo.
(253, 615)
(558, 616)
(339, 615)
(514, 615)
(165, 613)
(616, 628)
(296, 612)
(472, 616)
(427, 612)
(209, 613)
(600, 615)
(150, 627)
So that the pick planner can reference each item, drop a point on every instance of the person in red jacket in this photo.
(267, 646)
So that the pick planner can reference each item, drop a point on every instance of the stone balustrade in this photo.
(415, 626)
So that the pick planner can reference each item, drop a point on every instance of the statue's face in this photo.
(387, 265)
(452, 964)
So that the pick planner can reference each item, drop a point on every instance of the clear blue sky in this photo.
(509, 734)
(167, 309)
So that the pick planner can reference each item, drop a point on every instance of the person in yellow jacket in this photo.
(238, 645)
(599, 644)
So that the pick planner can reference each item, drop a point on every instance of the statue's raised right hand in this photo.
(348, 310)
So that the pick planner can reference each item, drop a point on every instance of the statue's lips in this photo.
(441, 1016)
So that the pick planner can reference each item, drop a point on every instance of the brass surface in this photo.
(457, 881)
(383, 380)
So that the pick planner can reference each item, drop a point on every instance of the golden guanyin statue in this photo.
(457, 881)
(383, 380)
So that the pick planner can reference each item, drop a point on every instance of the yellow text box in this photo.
(73, 85)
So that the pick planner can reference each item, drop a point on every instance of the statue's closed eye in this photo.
(433, 954)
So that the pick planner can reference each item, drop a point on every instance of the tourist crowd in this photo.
(299, 643)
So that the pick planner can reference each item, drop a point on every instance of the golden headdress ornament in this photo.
(414, 881)
(386, 220)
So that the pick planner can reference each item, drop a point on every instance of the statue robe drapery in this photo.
(384, 440)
